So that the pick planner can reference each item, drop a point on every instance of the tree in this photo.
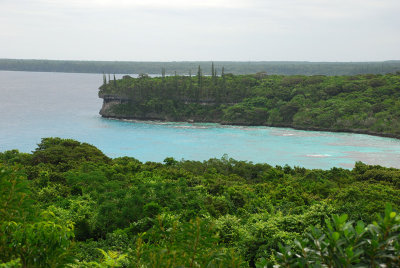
(15, 203)
(104, 79)
(199, 84)
(344, 243)
(38, 244)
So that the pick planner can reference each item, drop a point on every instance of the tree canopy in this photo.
(68, 204)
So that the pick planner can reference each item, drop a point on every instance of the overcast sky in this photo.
(176, 30)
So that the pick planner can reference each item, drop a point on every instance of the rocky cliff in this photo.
(110, 103)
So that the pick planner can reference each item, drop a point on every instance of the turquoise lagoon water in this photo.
(36, 105)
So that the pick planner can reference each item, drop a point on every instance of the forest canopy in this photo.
(67, 204)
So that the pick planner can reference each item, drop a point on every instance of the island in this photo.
(181, 67)
(365, 103)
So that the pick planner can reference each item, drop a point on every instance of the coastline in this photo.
(224, 123)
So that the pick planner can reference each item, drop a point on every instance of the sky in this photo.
(192, 30)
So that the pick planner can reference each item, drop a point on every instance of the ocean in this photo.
(34, 105)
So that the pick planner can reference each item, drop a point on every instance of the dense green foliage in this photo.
(68, 203)
(361, 103)
(345, 244)
(183, 67)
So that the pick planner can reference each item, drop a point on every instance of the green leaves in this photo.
(15, 203)
(176, 244)
(335, 236)
(113, 258)
(11, 264)
(343, 244)
(43, 243)
(360, 227)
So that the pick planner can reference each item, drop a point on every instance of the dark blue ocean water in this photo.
(36, 105)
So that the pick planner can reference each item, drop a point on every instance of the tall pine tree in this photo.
(104, 79)
(199, 84)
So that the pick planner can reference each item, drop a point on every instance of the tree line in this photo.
(183, 67)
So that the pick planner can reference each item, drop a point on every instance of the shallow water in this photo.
(36, 105)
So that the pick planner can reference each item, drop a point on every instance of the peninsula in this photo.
(367, 103)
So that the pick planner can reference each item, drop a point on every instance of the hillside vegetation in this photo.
(361, 103)
(67, 204)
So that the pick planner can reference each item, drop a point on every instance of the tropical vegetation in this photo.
(67, 204)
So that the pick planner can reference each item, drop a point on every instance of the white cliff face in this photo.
(109, 103)
(107, 108)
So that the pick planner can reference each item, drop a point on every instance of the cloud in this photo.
(200, 30)
(156, 4)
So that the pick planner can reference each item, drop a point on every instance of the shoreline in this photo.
(350, 131)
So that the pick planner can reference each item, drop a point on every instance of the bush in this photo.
(345, 244)
(40, 244)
